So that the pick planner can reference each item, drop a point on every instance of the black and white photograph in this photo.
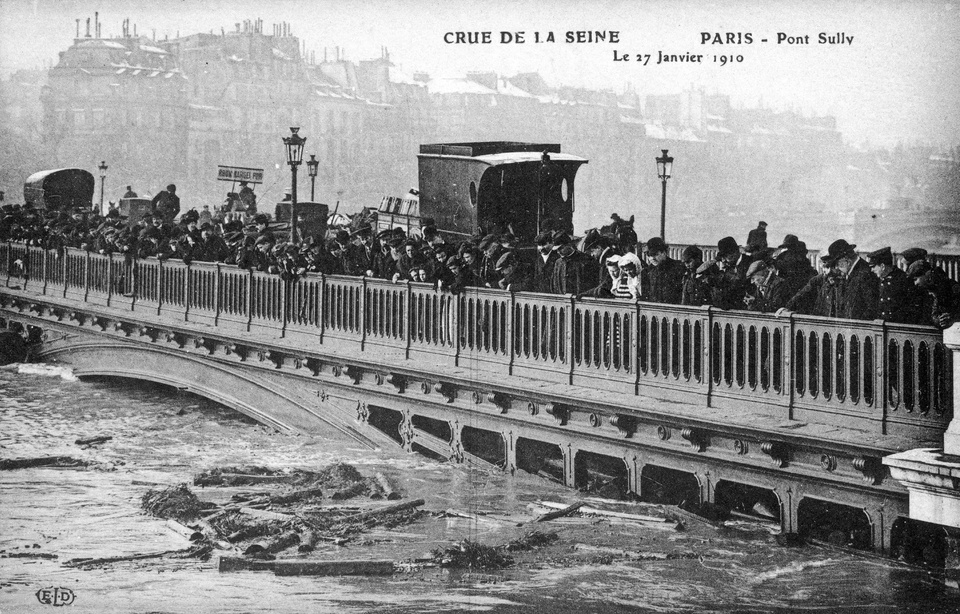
(479, 306)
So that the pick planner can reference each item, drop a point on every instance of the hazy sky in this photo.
(898, 80)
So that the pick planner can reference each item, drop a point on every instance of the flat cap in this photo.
(884, 255)
(757, 266)
(692, 252)
(505, 261)
(913, 254)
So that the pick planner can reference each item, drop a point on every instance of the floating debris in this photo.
(9, 464)
(467, 554)
(176, 502)
(534, 539)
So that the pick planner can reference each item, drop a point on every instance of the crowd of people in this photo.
(754, 277)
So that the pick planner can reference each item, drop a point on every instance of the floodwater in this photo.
(163, 437)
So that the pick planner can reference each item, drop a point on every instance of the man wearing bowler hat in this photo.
(730, 287)
(793, 264)
(859, 294)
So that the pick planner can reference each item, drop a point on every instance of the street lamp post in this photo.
(294, 144)
(103, 178)
(664, 166)
(312, 165)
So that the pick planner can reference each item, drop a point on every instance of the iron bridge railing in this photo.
(871, 375)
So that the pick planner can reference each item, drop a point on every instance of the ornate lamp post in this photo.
(312, 165)
(664, 166)
(294, 144)
(103, 178)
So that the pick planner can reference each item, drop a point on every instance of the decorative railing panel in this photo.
(483, 318)
(303, 303)
(431, 317)
(267, 297)
(605, 340)
(233, 293)
(146, 281)
(386, 313)
(202, 289)
(342, 305)
(173, 280)
(542, 331)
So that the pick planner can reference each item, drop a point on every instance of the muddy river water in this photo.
(163, 437)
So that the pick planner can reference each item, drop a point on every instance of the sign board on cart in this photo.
(239, 173)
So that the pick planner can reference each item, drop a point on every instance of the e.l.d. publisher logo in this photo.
(55, 596)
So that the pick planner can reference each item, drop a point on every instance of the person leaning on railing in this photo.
(768, 293)
(664, 273)
(942, 294)
(818, 297)
(793, 264)
(859, 294)
(729, 287)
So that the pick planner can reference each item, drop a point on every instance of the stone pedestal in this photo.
(932, 475)
(933, 481)
(951, 438)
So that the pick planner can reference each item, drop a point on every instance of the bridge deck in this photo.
(659, 403)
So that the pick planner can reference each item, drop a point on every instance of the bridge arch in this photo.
(244, 390)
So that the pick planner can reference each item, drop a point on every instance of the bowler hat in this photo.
(561, 238)
(656, 245)
(567, 251)
(837, 250)
(883, 255)
(727, 245)
(789, 242)
(544, 238)
(260, 219)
